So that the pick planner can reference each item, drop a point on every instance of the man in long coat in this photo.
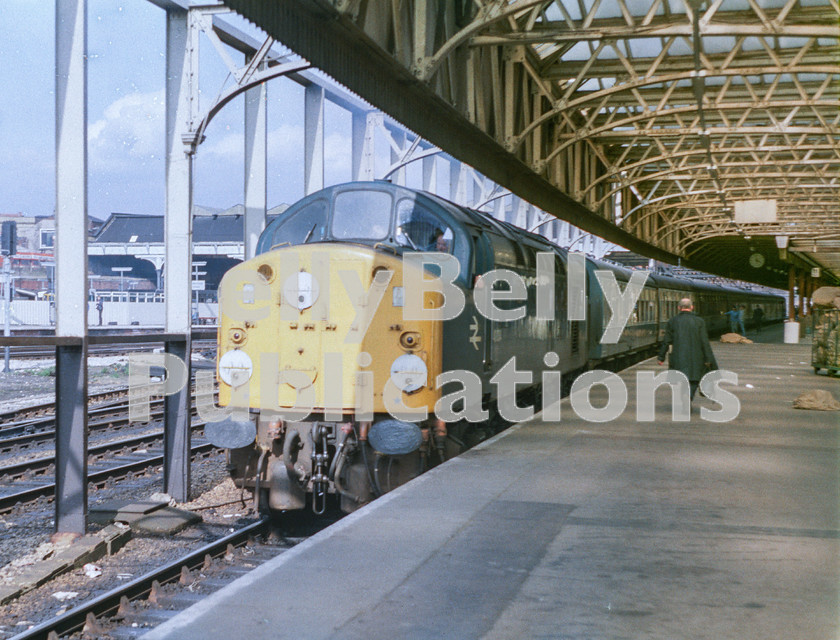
(691, 352)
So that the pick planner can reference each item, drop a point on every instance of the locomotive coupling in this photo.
(320, 463)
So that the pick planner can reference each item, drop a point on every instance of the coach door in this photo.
(482, 263)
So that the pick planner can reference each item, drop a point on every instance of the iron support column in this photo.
(803, 311)
(457, 188)
(430, 173)
(176, 437)
(809, 291)
(364, 126)
(313, 138)
(71, 265)
(255, 167)
(357, 145)
(398, 177)
(181, 105)
(7, 309)
(791, 287)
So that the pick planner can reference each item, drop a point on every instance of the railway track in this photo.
(131, 609)
(126, 466)
(41, 352)
(43, 465)
(29, 480)
(13, 416)
(109, 414)
(27, 433)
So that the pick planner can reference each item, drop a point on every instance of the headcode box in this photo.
(755, 211)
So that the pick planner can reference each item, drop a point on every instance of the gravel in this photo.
(28, 531)
(25, 533)
(35, 384)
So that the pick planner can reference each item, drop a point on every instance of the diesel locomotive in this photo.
(336, 389)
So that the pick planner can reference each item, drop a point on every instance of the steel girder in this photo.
(650, 123)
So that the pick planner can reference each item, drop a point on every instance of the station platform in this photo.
(583, 530)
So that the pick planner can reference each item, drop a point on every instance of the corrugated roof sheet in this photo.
(126, 228)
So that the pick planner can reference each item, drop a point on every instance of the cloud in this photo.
(127, 151)
(338, 158)
(133, 128)
(285, 153)
(283, 142)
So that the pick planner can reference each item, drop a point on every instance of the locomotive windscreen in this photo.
(308, 224)
(362, 214)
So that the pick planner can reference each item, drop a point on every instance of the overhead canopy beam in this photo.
(335, 44)
(593, 111)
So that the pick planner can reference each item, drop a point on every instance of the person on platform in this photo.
(688, 338)
(732, 316)
(758, 319)
(741, 328)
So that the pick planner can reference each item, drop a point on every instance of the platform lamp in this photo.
(782, 244)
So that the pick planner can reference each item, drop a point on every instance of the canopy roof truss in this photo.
(656, 118)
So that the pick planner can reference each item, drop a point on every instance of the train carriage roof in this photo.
(470, 218)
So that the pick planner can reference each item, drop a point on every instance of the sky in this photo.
(126, 117)
(126, 163)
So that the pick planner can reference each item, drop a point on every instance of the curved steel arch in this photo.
(573, 95)
(656, 80)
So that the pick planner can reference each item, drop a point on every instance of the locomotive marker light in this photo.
(409, 373)
(301, 290)
(235, 367)
(365, 303)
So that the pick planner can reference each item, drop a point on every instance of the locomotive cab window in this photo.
(308, 224)
(362, 214)
(420, 230)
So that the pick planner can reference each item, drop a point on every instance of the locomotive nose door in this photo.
(300, 348)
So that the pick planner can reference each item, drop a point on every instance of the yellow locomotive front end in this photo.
(316, 357)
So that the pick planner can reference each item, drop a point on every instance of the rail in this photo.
(110, 603)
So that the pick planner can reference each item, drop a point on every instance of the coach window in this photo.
(305, 225)
(561, 297)
(363, 214)
(504, 252)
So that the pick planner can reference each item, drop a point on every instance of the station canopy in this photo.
(701, 131)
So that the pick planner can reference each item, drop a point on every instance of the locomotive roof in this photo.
(478, 219)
